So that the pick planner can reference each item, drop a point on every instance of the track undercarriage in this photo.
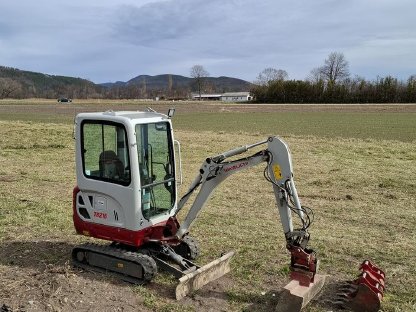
(140, 265)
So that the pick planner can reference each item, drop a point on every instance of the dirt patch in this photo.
(38, 276)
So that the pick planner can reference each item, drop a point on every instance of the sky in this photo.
(108, 41)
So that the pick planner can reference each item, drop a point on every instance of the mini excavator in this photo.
(128, 169)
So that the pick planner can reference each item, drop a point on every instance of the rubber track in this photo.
(193, 246)
(146, 262)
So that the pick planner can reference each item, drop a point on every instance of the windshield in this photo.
(157, 176)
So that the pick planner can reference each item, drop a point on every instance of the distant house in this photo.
(226, 97)
(236, 97)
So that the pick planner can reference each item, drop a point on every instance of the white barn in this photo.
(206, 97)
(236, 97)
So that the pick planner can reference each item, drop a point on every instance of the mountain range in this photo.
(20, 84)
(161, 82)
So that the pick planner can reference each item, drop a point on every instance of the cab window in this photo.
(105, 152)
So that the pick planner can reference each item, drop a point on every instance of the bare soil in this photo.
(38, 276)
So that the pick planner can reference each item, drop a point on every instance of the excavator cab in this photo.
(126, 174)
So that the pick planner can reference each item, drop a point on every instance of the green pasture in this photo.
(355, 170)
(367, 124)
(393, 126)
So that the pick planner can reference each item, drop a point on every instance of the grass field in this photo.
(355, 168)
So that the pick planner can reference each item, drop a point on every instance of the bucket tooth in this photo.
(348, 288)
(195, 280)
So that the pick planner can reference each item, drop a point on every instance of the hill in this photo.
(16, 83)
(21, 84)
(162, 82)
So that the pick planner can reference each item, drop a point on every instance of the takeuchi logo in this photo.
(236, 166)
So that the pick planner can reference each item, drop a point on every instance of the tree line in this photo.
(331, 83)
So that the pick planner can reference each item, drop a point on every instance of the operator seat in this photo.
(111, 166)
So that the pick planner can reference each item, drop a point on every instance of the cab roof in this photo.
(131, 115)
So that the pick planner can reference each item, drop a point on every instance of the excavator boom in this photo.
(279, 173)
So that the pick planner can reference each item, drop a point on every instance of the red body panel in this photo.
(162, 231)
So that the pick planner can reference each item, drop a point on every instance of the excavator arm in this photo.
(279, 173)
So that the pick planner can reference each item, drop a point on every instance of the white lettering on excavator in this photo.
(236, 166)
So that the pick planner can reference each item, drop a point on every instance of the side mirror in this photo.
(171, 112)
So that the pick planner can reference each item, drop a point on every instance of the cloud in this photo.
(237, 29)
(152, 24)
(116, 40)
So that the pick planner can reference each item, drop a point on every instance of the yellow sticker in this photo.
(120, 265)
(277, 172)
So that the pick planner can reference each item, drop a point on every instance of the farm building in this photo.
(236, 97)
(227, 97)
(206, 97)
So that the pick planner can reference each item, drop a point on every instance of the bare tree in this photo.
(271, 74)
(315, 75)
(170, 85)
(8, 86)
(336, 68)
(411, 89)
(144, 88)
(199, 74)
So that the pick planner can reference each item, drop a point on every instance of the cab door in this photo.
(103, 174)
(157, 170)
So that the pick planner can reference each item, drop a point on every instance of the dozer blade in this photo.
(195, 280)
(295, 296)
